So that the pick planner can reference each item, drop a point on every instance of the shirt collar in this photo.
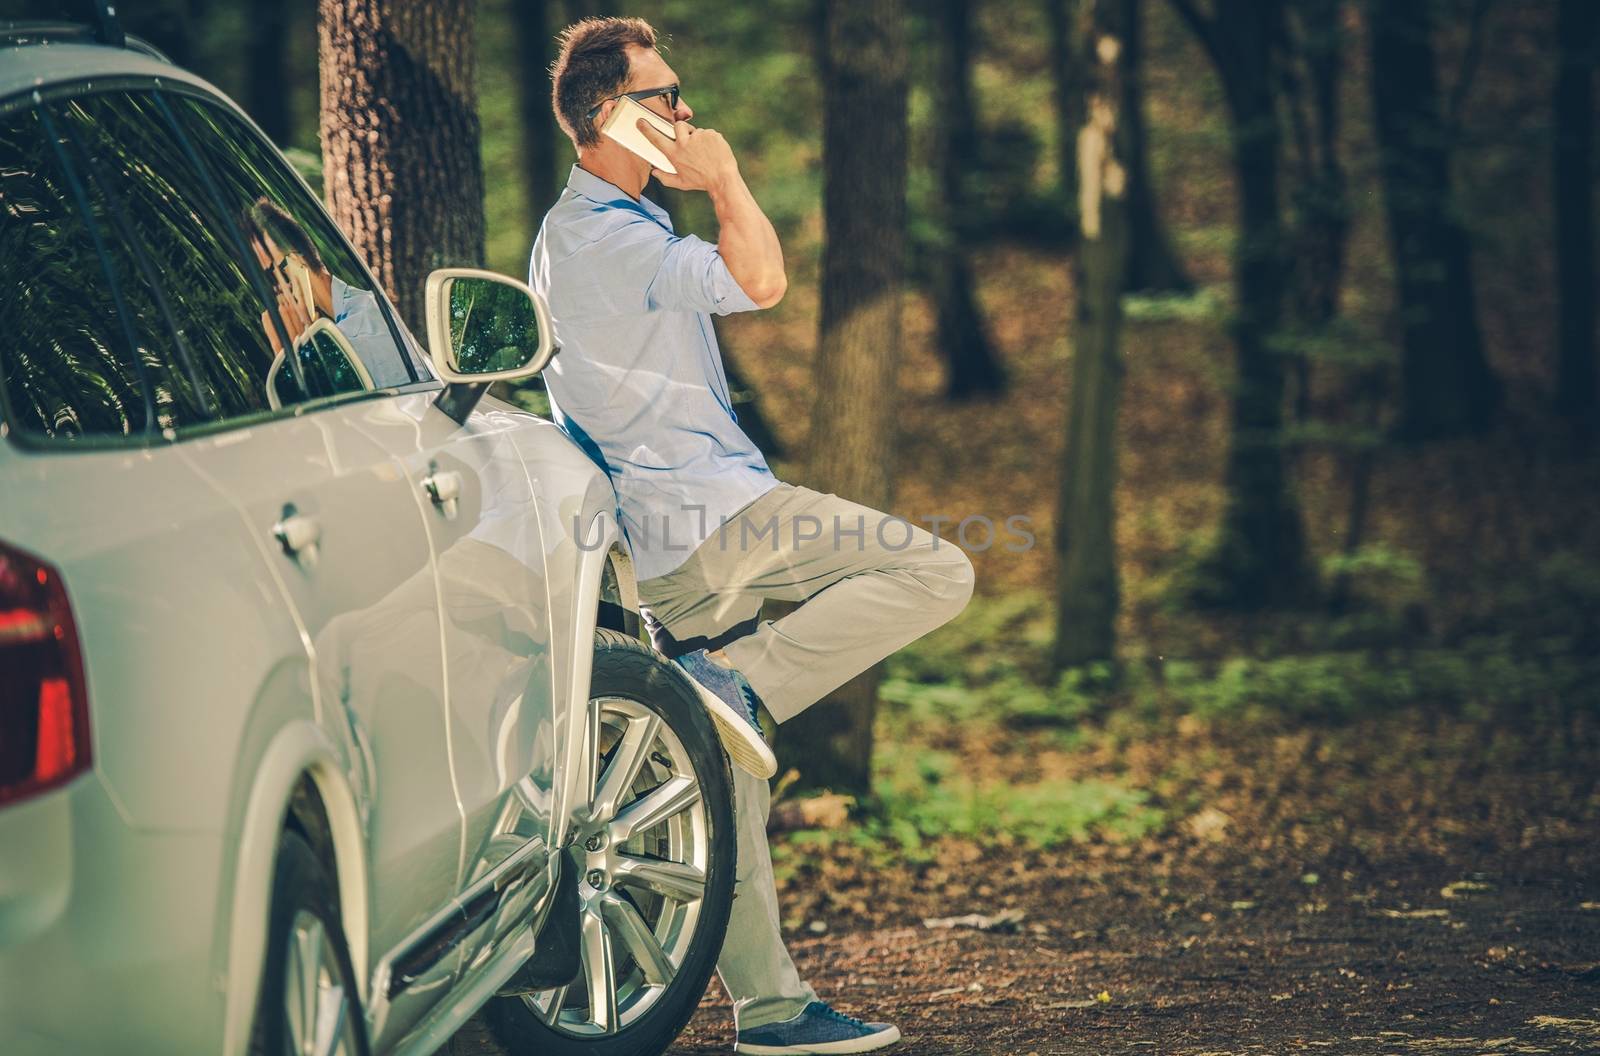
(341, 298)
(586, 183)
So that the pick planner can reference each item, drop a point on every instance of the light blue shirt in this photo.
(359, 318)
(639, 382)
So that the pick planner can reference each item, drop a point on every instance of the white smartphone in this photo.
(623, 126)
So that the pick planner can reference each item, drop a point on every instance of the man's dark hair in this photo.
(265, 216)
(592, 65)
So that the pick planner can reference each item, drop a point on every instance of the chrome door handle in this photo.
(298, 534)
(444, 488)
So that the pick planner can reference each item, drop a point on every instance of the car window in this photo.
(294, 234)
(147, 194)
(69, 365)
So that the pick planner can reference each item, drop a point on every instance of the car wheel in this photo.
(654, 855)
(309, 1000)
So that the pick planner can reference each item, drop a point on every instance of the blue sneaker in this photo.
(732, 704)
(817, 1029)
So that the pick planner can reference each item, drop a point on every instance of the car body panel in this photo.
(369, 605)
(427, 675)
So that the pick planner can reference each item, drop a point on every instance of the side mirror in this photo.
(484, 327)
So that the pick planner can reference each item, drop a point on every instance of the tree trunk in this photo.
(532, 23)
(1260, 555)
(973, 368)
(1086, 581)
(1066, 79)
(864, 194)
(1579, 32)
(1321, 224)
(268, 89)
(1448, 388)
(1152, 263)
(400, 138)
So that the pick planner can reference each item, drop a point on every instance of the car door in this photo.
(348, 541)
(476, 504)
(495, 609)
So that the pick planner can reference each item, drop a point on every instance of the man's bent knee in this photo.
(946, 574)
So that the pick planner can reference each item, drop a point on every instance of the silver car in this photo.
(321, 727)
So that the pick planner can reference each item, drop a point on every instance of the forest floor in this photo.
(1404, 884)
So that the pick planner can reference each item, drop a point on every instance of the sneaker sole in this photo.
(747, 748)
(823, 1048)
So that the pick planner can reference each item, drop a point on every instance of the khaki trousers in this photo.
(868, 584)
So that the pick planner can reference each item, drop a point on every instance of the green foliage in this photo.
(1375, 562)
(1207, 304)
(1483, 677)
(923, 796)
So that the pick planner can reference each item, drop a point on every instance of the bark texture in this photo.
(1260, 554)
(1152, 263)
(974, 369)
(1086, 583)
(864, 204)
(400, 137)
(1321, 212)
(1448, 388)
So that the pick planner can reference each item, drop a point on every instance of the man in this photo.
(639, 384)
(281, 246)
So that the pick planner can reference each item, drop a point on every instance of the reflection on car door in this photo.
(490, 558)
(349, 544)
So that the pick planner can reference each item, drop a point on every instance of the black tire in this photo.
(625, 667)
(302, 885)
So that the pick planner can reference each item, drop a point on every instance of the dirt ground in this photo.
(1112, 962)
(1401, 886)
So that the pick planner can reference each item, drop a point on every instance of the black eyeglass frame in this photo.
(671, 91)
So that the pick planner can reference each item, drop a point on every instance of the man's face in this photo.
(650, 70)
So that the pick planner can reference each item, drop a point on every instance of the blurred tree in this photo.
(1320, 228)
(1086, 578)
(1578, 30)
(973, 369)
(531, 21)
(852, 425)
(1153, 266)
(1066, 82)
(268, 85)
(400, 137)
(1260, 555)
(1448, 388)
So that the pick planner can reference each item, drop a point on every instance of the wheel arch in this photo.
(298, 784)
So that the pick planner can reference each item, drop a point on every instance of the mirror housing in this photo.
(327, 363)
(484, 327)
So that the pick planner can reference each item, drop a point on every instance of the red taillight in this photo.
(44, 706)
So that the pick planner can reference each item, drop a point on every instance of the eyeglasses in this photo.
(669, 93)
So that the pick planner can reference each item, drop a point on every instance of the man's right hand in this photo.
(702, 157)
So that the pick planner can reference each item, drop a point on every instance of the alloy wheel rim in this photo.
(317, 1016)
(643, 847)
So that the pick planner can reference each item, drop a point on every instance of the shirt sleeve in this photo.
(642, 267)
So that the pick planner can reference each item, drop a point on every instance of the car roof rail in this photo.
(105, 28)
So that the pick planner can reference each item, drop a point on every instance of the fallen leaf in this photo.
(1004, 921)
(1463, 888)
(1209, 824)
